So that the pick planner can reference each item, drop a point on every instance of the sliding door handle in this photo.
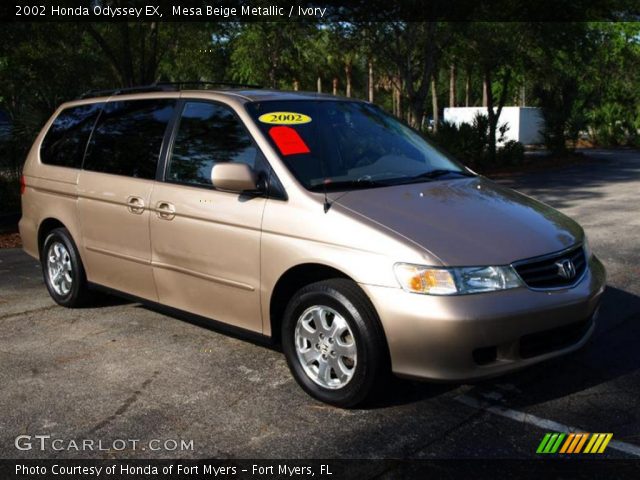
(135, 205)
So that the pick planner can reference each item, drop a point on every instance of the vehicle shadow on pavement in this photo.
(612, 352)
(397, 392)
(101, 299)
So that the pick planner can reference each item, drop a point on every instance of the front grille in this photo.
(546, 272)
(557, 338)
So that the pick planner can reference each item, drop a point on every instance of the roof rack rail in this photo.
(162, 87)
(204, 83)
(125, 91)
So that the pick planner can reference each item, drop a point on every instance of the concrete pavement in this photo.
(123, 371)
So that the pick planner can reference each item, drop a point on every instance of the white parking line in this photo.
(543, 423)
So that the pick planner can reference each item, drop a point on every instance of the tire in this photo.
(59, 254)
(353, 326)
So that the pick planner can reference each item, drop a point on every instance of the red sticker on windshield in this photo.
(288, 140)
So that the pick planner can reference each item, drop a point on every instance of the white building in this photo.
(525, 123)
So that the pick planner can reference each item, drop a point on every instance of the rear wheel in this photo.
(333, 342)
(63, 271)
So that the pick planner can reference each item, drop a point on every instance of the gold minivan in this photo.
(316, 222)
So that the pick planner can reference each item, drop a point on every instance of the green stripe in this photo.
(550, 443)
(543, 443)
(558, 442)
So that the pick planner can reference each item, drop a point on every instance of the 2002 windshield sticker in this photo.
(284, 118)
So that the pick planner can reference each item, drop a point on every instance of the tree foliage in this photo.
(585, 76)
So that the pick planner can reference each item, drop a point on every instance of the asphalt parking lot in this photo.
(123, 371)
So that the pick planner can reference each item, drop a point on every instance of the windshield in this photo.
(343, 145)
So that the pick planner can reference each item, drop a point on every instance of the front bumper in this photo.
(468, 337)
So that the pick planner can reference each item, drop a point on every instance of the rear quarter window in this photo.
(65, 142)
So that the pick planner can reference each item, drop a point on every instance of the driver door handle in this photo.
(166, 210)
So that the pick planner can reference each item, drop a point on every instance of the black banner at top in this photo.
(317, 11)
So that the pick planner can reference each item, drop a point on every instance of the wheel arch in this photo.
(293, 280)
(46, 226)
(290, 282)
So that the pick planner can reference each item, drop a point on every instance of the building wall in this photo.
(524, 123)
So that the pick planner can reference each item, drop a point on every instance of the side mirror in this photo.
(234, 177)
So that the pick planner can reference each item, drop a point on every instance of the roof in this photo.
(239, 95)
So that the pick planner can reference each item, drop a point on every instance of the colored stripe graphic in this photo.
(567, 442)
(579, 440)
(574, 442)
(550, 443)
(543, 443)
(592, 441)
(555, 447)
(605, 442)
(580, 444)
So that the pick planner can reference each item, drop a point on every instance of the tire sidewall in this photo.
(363, 377)
(76, 267)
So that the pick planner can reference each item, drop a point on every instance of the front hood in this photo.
(468, 221)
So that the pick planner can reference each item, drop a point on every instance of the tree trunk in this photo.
(434, 102)
(319, 84)
(487, 101)
(296, 85)
(272, 77)
(523, 96)
(467, 89)
(370, 83)
(485, 92)
(348, 67)
(397, 96)
(335, 86)
(452, 85)
(494, 114)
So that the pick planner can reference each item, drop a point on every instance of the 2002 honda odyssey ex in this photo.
(319, 222)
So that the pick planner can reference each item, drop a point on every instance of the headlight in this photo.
(455, 281)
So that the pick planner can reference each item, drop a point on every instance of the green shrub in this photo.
(469, 143)
(511, 153)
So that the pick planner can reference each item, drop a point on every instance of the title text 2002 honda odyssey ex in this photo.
(320, 222)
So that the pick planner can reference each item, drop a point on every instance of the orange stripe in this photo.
(581, 444)
(576, 440)
(567, 442)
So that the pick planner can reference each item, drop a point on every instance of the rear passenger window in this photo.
(65, 142)
(128, 137)
(208, 134)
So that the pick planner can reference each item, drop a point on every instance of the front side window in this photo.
(207, 134)
(65, 142)
(343, 145)
(128, 137)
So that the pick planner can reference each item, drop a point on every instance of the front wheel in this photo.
(333, 342)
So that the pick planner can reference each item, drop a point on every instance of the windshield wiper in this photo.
(437, 173)
(348, 184)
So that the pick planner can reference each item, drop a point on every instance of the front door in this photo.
(206, 243)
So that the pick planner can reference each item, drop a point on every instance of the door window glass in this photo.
(128, 137)
(208, 134)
